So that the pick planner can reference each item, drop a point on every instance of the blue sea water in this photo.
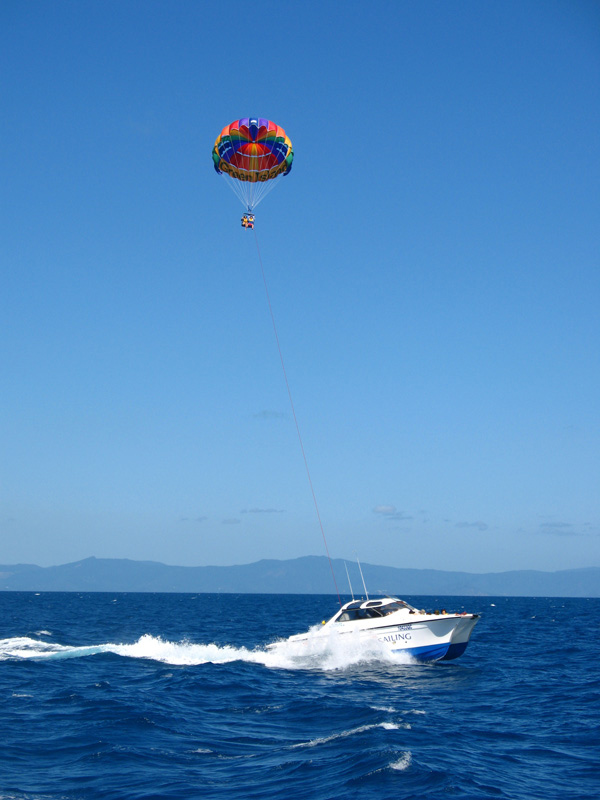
(175, 696)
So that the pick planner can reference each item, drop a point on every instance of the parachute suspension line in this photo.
(263, 189)
(251, 194)
(238, 188)
(262, 269)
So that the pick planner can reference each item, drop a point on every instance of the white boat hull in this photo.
(423, 636)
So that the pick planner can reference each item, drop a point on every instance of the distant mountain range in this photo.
(307, 575)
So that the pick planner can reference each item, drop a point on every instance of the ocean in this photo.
(139, 696)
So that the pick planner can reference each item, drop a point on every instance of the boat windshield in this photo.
(358, 613)
(397, 605)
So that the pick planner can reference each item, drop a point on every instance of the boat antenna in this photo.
(362, 576)
(348, 576)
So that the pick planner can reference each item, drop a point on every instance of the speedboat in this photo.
(437, 636)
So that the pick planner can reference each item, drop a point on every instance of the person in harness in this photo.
(248, 221)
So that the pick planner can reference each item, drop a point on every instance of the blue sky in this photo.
(432, 262)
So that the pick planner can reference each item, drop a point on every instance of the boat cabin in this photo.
(371, 609)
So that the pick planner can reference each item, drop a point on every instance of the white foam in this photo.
(29, 797)
(148, 647)
(181, 653)
(322, 653)
(24, 647)
(403, 762)
(334, 652)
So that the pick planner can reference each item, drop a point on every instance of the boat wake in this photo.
(329, 653)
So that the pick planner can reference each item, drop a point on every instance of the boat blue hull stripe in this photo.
(455, 650)
(435, 652)
(430, 652)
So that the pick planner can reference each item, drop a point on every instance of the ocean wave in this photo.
(344, 734)
(403, 762)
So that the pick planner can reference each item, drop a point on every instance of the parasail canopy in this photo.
(252, 153)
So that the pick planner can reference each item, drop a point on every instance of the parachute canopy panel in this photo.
(252, 153)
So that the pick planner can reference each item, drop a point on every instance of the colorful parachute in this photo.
(252, 153)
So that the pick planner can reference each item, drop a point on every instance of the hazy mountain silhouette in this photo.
(307, 575)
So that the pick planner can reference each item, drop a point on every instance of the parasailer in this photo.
(253, 153)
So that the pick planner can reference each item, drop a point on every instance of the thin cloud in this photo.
(231, 521)
(384, 509)
(262, 511)
(556, 525)
(481, 526)
(391, 512)
(560, 529)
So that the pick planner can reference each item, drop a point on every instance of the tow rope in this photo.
(310, 483)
